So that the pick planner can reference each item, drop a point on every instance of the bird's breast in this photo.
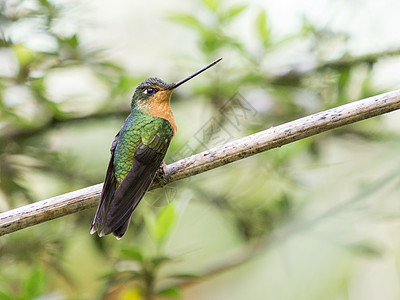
(160, 107)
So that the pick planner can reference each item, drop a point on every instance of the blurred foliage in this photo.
(137, 271)
(26, 109)
(48, 145)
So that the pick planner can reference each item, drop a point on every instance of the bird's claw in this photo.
(160, 177)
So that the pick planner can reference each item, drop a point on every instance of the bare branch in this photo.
(273, 137)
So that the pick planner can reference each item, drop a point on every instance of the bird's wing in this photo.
(118, 203)
(109, 187)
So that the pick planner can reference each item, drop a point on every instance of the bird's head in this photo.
(154, 92)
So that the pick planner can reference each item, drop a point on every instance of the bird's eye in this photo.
(150, 91)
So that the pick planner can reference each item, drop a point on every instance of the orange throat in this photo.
(160, 107)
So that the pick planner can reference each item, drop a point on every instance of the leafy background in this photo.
(316, 219)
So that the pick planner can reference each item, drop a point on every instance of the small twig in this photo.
(273, 137)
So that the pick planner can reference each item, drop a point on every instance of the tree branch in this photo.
(273, 137)
(294, 74)
(13, 134)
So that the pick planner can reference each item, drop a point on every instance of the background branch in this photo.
(292, 77)
(295, 74)
(273, 137)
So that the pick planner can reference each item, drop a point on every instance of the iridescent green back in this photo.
(138, 127)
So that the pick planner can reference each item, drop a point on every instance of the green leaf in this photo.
(187, 20)
(343, 85)
(131, 253)
(126, 83)
(161, 226)
(170, 293)
(38, 85)
(24, 55)
(233, 12)
(263, 28)
(131, 294)
(365, 249)
(6, 296)
(34, 284)
(157, 261)
(72, 41)
(211, 4)
(165, 222)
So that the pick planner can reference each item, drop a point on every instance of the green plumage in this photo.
(137, 152)
(139, 127)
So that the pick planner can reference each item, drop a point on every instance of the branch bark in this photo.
(273, 137)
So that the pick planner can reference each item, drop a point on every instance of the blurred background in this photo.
(315, 219)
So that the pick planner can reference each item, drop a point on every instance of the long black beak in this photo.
(176, 84)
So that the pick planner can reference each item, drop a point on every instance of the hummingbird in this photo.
(137, 152)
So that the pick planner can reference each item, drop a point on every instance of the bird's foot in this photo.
(160, 177)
